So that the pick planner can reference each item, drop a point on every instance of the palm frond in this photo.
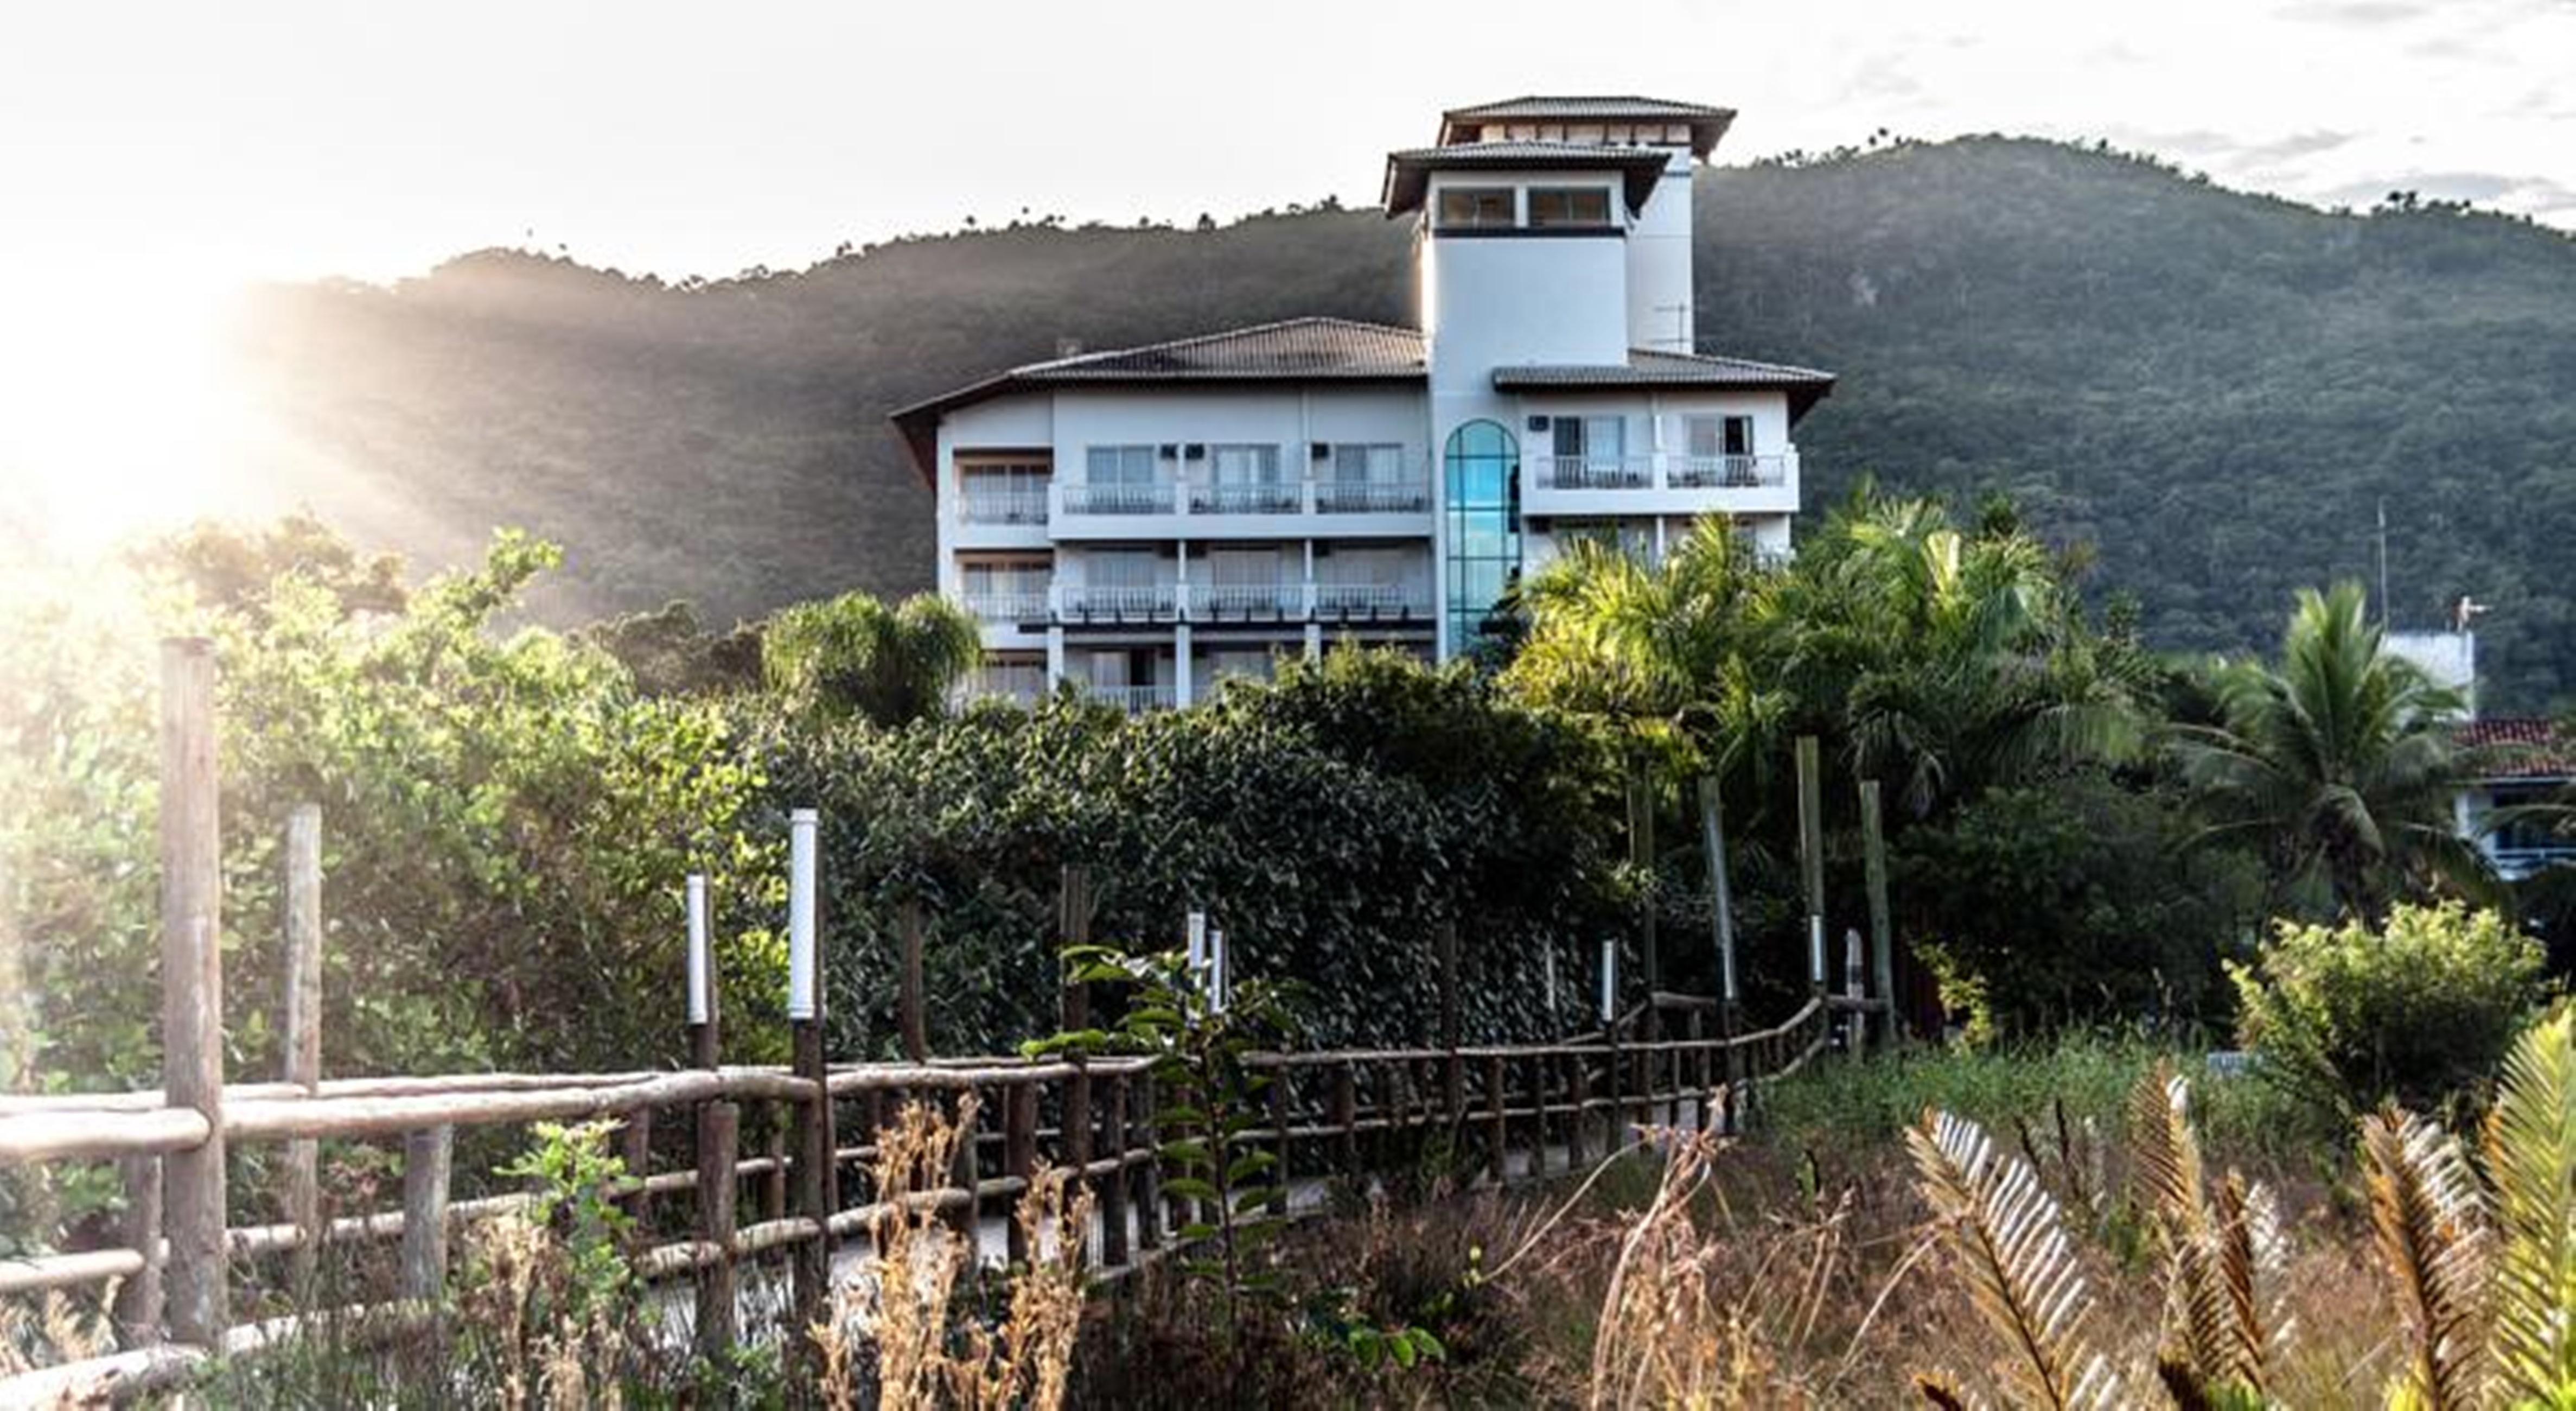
(2531, 1164)
(2424, 1214)
(2002, 1229)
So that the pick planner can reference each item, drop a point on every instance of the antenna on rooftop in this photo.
(2386, 617)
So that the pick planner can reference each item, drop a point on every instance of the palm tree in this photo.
(2340, 762)
(1948, 659)
(1667, 651)
(852, 655)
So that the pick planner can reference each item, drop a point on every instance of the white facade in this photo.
(1145, 522)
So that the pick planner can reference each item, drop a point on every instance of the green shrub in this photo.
(2421, 1010)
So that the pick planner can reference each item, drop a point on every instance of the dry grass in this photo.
(910, 1321)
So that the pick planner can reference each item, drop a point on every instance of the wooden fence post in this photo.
(1882, 945)
(1856, 1028)
(192, 993)
(1113, 1191)
(718, 1131)
(1281, 1092)
(303, 1028)
(428, 1156)
(718, 1136)
(1641, 855)
(816, 1188)
(908, 994)
(1074, 999)
(1496, 1072)
(1149, 1176)
(1455, 1072)
(635, 1149)
(1811, 857)
(1721, 898)
(1019, 1158)
(138, 1299)
(1346, 1116)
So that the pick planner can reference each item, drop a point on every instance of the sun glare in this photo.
(122, 414)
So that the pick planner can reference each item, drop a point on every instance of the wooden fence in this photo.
(1508, 1111)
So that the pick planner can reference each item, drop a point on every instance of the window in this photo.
(1475, 206)
(1594, 440)
(1245, 465)
(999, 492)
(1123, 568)
(1482, 499)
(1120, 465)
(1708, 437)
(1569, 205)
(1361, 464)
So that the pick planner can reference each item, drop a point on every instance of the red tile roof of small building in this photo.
(2520, 748)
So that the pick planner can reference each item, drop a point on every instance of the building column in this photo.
(1055, 655)
(1182, 692)
(1314, 640)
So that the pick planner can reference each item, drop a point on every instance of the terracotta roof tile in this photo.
(2520, 748)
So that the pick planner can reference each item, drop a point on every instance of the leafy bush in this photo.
(2074, 901)
(2421, 1011)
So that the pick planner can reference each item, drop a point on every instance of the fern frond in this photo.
(2531, 1164)
(2424, 1213)
(2252, 1268)
(2002, 1229)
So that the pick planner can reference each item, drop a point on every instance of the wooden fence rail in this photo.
(1511, 1111)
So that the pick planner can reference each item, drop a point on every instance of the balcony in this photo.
(1112, 603)
(1190, 505)
(1662, 482)
(1277, 497)
(1372, 496)
(1135, 700)
(1002, 504)
(1158, 497)
(1286, 603)
(1010, 606)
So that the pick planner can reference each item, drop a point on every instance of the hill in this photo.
(2215, 389)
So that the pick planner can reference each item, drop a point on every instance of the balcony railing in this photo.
(1661, 471)
(1118, 602)
(1370, 601)
(1596, 472)
(1263, 601)
(1135, 700)
(1381, 493)
(1157, 497)
(1098, 604)
(1002, 504)
(1271, 498)
(1730, 472)
(1371, 496)
(1008, 604)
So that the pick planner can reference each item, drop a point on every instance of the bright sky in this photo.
(154, 155)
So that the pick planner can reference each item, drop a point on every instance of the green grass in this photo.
(1852, 1107)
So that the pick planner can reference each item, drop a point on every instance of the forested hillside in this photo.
(2214, 389)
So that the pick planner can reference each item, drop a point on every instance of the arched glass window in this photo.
(1482, 498)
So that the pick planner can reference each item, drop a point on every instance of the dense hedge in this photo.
(1329, 822)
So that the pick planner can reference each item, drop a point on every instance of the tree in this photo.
(854, 656)
(2339, 763)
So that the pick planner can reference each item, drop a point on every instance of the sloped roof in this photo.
(1707, 124)
(1408, 173)
(1650, 368)
(2520, 748)
(1301, 349)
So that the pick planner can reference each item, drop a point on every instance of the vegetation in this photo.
(2212, 388)
(2416, 1012)
(2339, 763)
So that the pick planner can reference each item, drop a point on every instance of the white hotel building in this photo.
(1144, 520)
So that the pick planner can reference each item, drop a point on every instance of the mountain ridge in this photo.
(2213, 388)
